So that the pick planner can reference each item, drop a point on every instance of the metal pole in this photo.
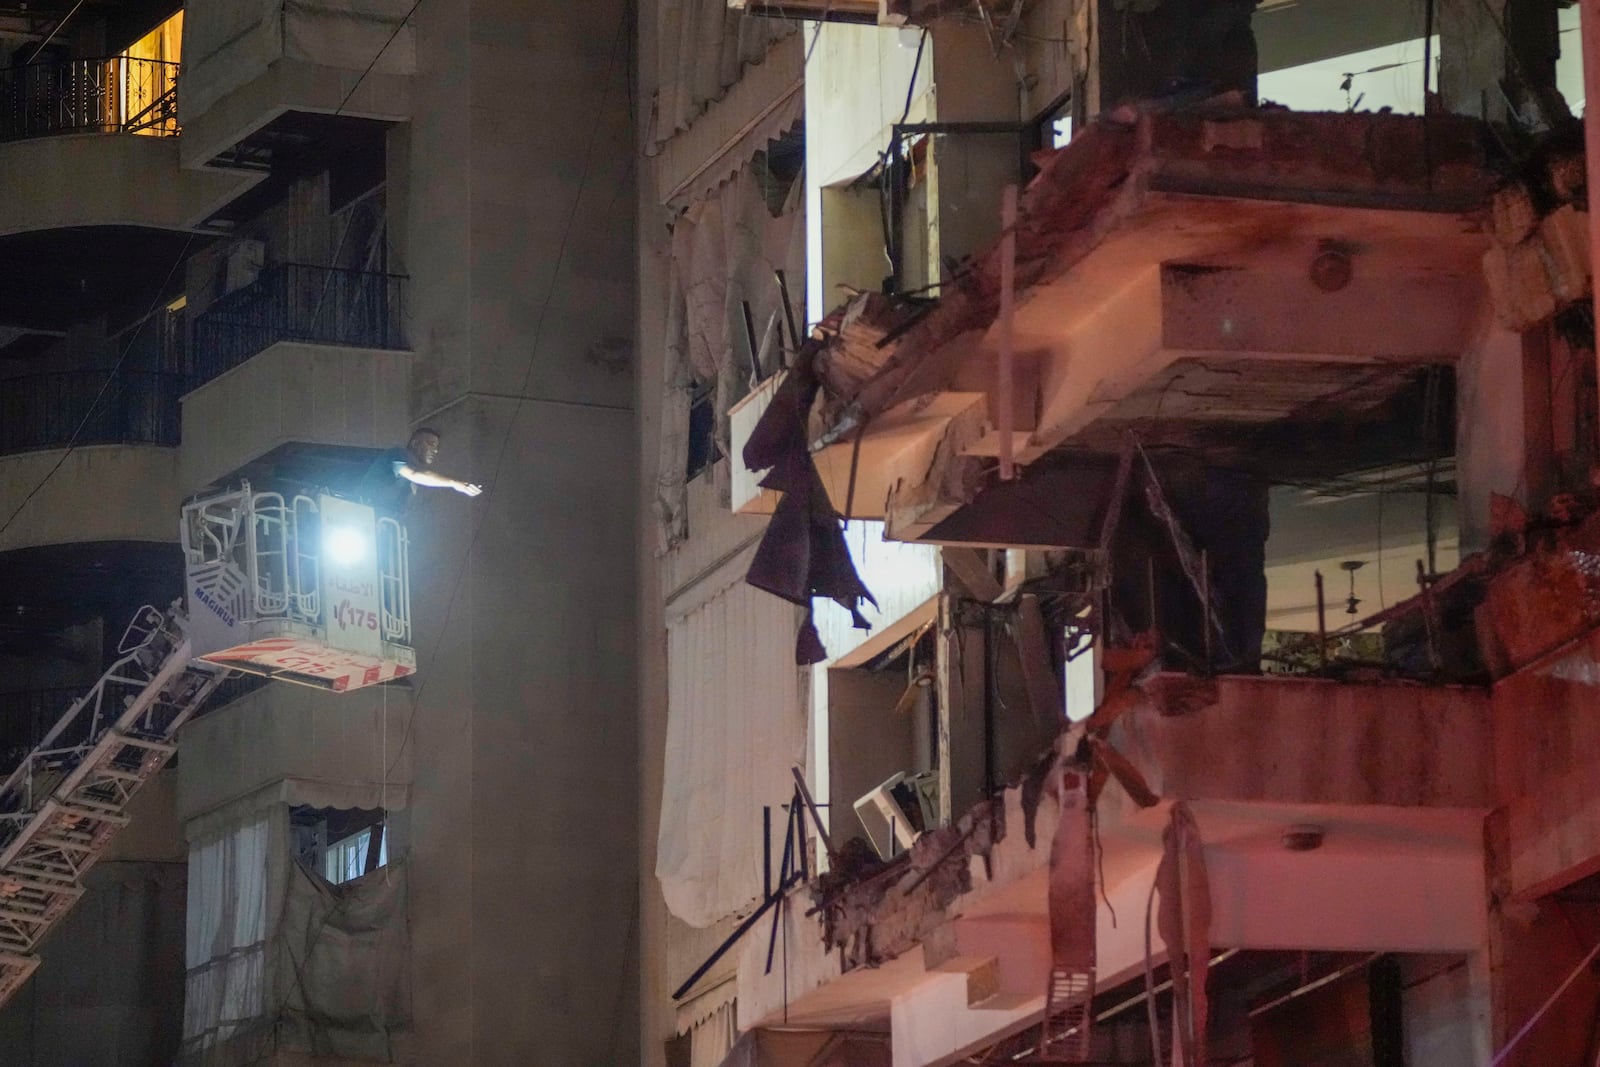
(1322, 625)
(1003, 385)
(1589, 24)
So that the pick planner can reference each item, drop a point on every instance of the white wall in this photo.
(856, 83)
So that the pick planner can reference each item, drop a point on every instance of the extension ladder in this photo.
(62, 805)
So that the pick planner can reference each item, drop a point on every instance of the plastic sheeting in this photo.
(280, 959)
(342, 964)
(736, 724)
(227, 45)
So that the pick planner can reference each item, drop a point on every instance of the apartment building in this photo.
(262, 243)
(1129, 603)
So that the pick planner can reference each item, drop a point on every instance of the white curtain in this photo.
(233, 892)
(736, 724)
(712, 1039)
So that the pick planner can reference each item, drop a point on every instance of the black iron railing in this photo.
(113, 94)
(46, 410)
(26, 715)
(295, 302)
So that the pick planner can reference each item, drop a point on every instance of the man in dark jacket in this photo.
(393, 477)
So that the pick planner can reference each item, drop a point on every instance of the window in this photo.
(703, 450)
(346, 859)
(149, 79)
(338, 843)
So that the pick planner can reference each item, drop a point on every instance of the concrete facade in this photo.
(1405, 803)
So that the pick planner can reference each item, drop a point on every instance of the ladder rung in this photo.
(66, 841)
(41, 858)
(64, 845)
(40, 919)
(121, 774)
(37, 886)
(43, 873)
(140, 742)
(15, 940)
(95, 810)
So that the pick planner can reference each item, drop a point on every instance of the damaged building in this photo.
(1118, 582)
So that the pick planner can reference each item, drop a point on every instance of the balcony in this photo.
(111, 94)
(303, 355)
(122, 456)
(40, 411)
(61, 177)
(1154, 257)
(25, 715)
(300, 303)
(248, 66)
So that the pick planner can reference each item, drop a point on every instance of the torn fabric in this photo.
(1073, 907)
(802, 554)
(726, 250)
(1184, 920)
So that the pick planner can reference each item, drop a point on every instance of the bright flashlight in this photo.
(345, 546)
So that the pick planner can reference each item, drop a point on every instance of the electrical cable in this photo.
(527, 377)
(116, 368)
(379, 55)
(350, 222)
(53, 31)
(1516, 1038)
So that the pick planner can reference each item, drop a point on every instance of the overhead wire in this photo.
(54, 30)
(111, 376)
(521, 396)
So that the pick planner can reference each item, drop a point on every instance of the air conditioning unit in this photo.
(899, 811)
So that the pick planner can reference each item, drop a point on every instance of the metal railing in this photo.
(26, 715)
(257, 556)
(111, 94)
(296, 302)
(45, 410)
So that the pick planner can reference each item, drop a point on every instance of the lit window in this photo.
(149, 79)
(346, 859)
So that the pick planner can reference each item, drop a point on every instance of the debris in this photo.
(1184, 919)
(972, 570)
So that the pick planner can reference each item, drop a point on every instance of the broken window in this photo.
(883, 747)
(341, 844)
(703, 450)
(727, 324)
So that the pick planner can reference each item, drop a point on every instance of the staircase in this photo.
(62, 805)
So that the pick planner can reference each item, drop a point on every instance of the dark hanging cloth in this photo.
(802, 554)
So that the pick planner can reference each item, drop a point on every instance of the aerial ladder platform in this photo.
(312, 589)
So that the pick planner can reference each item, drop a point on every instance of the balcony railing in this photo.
(114, 94)
(295, 302)
(26, 715)
(46, 410)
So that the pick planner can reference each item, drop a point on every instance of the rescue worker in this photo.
(393, 478)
